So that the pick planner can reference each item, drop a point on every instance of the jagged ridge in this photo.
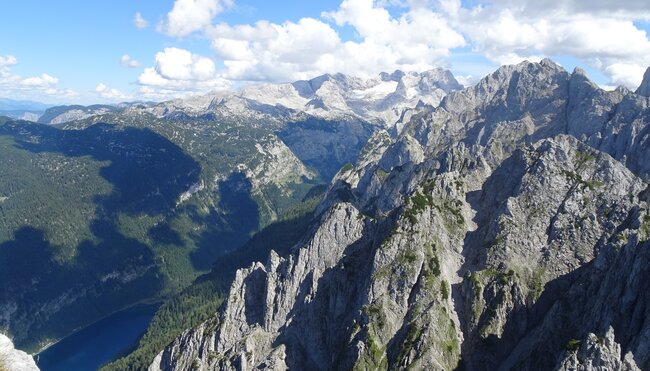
(486, 233)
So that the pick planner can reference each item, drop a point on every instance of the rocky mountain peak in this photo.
(378, 101)
(579, 82)
(395, 76)
(579, 73)
(513, 90)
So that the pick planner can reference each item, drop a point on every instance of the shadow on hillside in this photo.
(39, 285)
(326, 145)
(232, 226)
(147, 171)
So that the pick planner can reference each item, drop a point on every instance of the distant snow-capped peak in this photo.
(381, 99)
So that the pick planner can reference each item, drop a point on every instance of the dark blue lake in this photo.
(99, 343)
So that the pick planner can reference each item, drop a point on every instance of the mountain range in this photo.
(396, 222)
(102, 207)
(380, 100)
(506, 228)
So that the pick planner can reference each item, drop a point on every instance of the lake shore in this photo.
(99, 343)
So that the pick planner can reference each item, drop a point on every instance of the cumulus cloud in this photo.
(180, 70)
(400, 34)
(622, 9)
(418, 39)
(600, 33)
(268, 51)
(111, 93)
(467, 80)
(44, 80)
(139, 21)
(16, 86)
(7, 60)
(128, 62)
(188, 16)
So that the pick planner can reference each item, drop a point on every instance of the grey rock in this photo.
(485, 233)
(597, 353)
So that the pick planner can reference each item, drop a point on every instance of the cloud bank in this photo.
(393, 34)
(18, 87)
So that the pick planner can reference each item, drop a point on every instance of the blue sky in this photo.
(78, 45)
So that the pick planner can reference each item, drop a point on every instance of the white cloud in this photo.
(622, 9)
(629, 74)
(16, 86)
(467, 80)
(599, 33)
(268, 51)
(413, 35)
(7, 60)
(188, 16)
(111, 93)
(179, 64)
(160, 94)
(44, 80)
(139, 21)
(128, 62)
(419, 39)
(179, 70)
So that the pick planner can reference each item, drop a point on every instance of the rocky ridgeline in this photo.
(380, 100)
(506, 228)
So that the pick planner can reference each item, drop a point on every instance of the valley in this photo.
(155, 194)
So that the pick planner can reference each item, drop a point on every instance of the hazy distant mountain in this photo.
(62, 114)
(379, 100)
(22, 109)
(22, 105)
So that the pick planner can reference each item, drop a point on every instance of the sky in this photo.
(80, 51)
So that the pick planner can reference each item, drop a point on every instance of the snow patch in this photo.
(378, 91)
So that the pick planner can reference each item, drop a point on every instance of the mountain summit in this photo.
(380, 100)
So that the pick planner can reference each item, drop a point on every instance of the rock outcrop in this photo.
(596, 353)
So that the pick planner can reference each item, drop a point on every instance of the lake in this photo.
(99, 343)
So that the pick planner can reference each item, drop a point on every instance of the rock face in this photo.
(63, 114)
(596, 353)
(499, 230)
(14, 360)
